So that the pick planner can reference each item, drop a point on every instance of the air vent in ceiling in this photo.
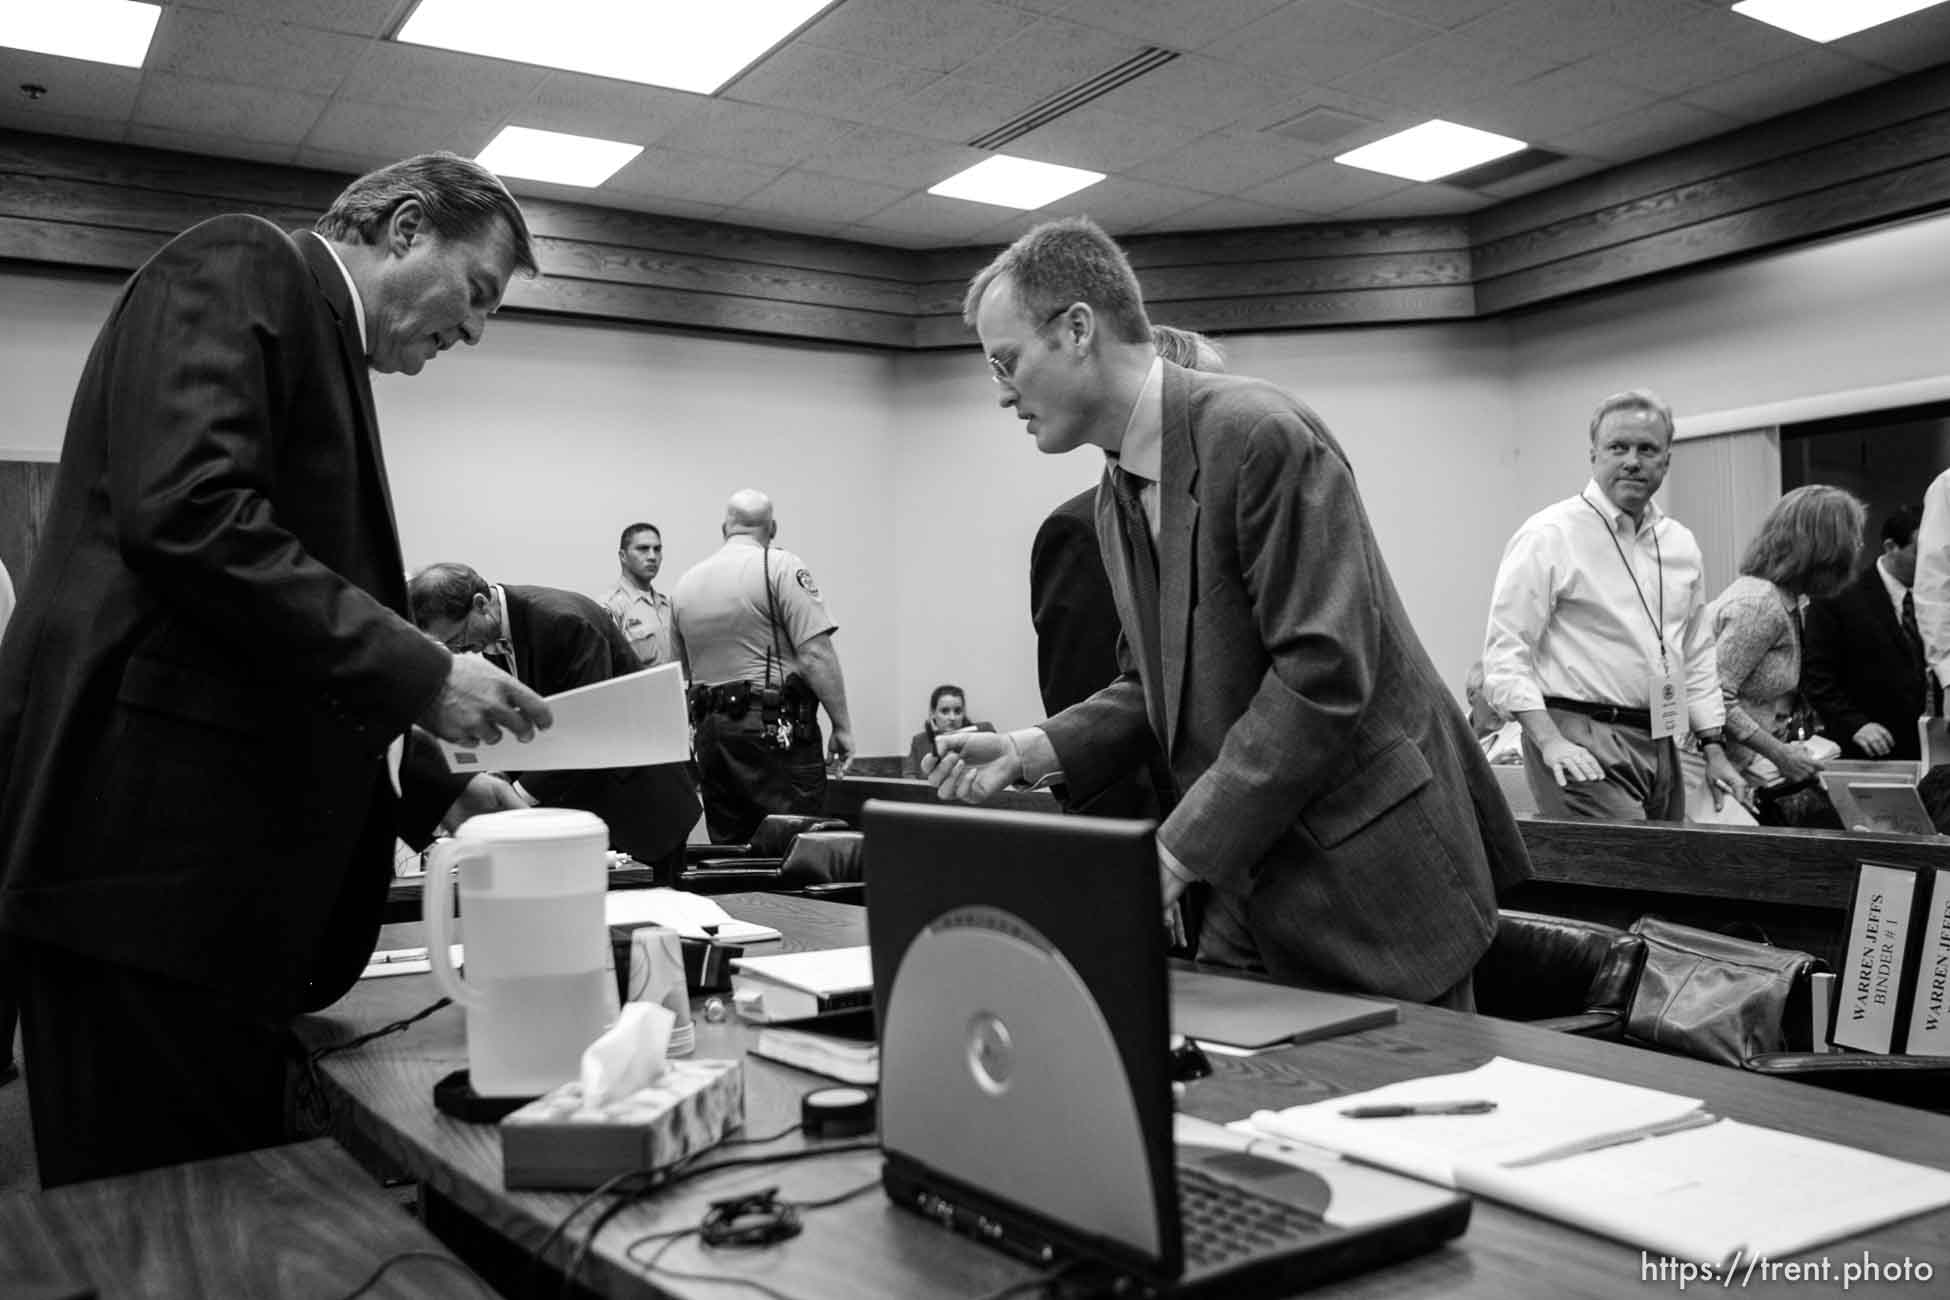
(1076, 97)
(1323, 126)
(1503, 169)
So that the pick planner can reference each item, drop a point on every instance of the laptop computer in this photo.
(1866, 804)
(1025, 1091)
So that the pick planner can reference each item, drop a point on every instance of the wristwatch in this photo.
(1709, 736)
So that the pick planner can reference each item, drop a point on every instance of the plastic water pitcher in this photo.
(539, 986)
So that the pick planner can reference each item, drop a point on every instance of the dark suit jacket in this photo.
(1326, 772)
(1075, 617)
(211, 655)
(1857, 667)
(564, 640)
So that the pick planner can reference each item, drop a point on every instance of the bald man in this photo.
(756, 641)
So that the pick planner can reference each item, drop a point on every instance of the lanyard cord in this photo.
(1659, 563)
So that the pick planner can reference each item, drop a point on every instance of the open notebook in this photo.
(1645, 1167)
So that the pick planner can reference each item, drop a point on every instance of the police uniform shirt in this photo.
(721, 617)
(643, 616)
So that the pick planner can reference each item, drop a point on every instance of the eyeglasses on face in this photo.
(1002, 369)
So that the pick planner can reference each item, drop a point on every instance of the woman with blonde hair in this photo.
(1806, 548)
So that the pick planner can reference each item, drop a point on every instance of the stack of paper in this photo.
(1642, 1166)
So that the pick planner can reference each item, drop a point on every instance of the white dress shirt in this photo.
(1932, 588)
(1576, 598)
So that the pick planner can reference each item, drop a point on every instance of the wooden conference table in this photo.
(864, 1247)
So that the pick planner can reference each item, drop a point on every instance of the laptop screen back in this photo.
(1019, 981)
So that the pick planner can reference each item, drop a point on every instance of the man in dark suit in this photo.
(1862, 665)
(1331, 792)
(211, 660)
(554, 641)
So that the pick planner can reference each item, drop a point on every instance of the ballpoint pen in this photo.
(1399, 1109)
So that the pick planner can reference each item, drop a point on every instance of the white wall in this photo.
(1852, 312)
(48, 321)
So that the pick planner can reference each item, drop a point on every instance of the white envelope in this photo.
(633, 721)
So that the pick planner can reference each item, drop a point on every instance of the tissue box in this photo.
(555, 1141)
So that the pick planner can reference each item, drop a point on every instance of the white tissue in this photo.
(629, 1056)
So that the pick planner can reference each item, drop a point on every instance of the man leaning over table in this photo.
(1599, 644)
(211, 659)
(1333, 796)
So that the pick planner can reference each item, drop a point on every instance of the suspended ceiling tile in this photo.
(1321, 39)
(1100, 140)
(1440, 76)
(694, 178)
(753, 133)
(221, 146)
(580, 104)
(952, 109)
(1813, 75)
(1050, 56)
(937, 35)
(213, 108)
(1554, 105)
(360, 17)
(382, 133)
(809, 80)
(838, 200)
(75, 87)
(1648, 130)
(1173, 24)
(1227, 162)
(1231, 214)
(414, 76)
(1203, 93)
(252, 51)
(874, 153)
(1326, 187)
(1539, 26)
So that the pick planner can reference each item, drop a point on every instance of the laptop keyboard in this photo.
(1224, 1224)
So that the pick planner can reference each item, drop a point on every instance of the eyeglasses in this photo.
(1004, 371)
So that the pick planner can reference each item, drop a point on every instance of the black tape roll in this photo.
(845, 1111)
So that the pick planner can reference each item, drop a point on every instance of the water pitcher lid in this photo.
(531, 825)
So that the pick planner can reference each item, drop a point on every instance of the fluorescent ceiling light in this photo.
(101, 31)
(687, 46)
(1434, 149)
(1827, 20)
(553, 156)
(1015, 182)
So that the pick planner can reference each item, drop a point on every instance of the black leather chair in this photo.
(731, 868)
(1558, 973)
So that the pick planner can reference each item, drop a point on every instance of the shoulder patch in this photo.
(805, 579)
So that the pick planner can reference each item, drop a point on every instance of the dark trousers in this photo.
(129, 1071)
(742, 775)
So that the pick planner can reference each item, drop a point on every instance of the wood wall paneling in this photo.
(1876, 156)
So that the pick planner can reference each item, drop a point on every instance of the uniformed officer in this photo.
(757, 646)
(634, 603)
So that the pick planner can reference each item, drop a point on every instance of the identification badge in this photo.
(1668, 697)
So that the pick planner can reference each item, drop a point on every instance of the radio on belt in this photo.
(837, 1112)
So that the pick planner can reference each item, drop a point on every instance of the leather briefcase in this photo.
(1718, 998)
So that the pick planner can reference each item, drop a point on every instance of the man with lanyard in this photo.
(757, 646)
(634, 603)
(1599, 643)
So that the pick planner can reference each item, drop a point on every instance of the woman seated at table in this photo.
(947, 714)
(1806, 547)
